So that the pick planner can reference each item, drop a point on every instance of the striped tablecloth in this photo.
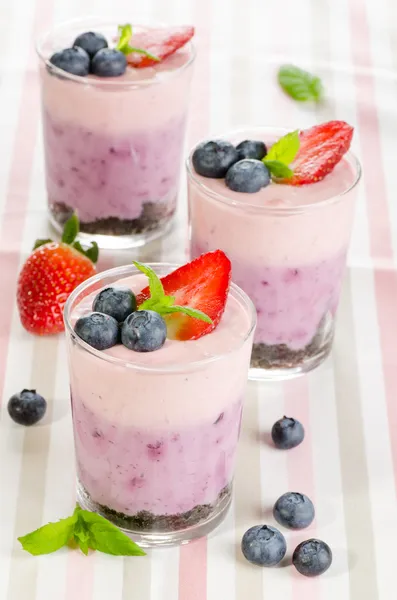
(348, 463)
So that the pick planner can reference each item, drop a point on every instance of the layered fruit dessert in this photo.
(281, 207)
(114, 108)
(157, 377)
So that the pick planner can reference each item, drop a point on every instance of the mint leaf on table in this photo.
(282, 154)
(125, 35)
(299, 84)
(160, 302)
(83, 529)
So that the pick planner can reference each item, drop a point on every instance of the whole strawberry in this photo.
(49, 276)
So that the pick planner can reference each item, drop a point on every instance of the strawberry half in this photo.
(161, 42)
(202, 284)
(49, 276)
(321, 148)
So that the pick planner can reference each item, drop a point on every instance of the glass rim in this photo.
(126, 270)
(270, 210)
(106, 82)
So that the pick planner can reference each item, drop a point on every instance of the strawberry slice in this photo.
(202, 284)
(161, 42)
(321, 148)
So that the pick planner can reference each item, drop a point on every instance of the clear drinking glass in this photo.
(289, 259)
(156, 444)
(113, 146)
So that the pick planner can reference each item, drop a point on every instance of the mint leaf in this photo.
(92, 252)
(285, 149)
(107, 538)
(299, 84)
(125, 35)
(155, 285)
(50, 537)
(185, 310)
(278, 169)
(70, 230)
(39, 243)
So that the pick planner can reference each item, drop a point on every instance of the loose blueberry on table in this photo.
(312, 558)
(27, 407)
(263, 545)
(90, 51)
(287, 433)
(293, 510)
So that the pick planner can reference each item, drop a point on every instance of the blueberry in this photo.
(248, 176)
(109, 62)
(116, 302)
(263, 545)
(98, 330)
(72, 60)
(287, 433)
(251, 149)
(144, 331)
(27, 408)
(91, 42)
(312, 558)
(295, 511)
(214, 158)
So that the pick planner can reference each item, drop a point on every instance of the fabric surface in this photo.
(348, 464)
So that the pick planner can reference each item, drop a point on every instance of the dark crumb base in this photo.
(147, 521)
(153, 216)
(280, 356)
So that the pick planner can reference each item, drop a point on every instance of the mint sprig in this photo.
(84, 530)
(125, 35)
(160, 302)
(300, 85)
(281, 155)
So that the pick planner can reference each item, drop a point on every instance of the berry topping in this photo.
(91, 42)
(248, 176)
(263, 546)
(109, 62)
(295, 511)
(251, 149)
(312, 558)
(144, 331)
(49, 276)
(116, 302)
(27, 408)
(198, 289)
(287, 433)
(98, 330)
(72, 60)
(214, 158)
(153, 45)
(321, 149)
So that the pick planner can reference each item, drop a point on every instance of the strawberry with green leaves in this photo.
(49, 276)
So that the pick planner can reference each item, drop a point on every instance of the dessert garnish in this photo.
(27, 407)
(184, 305)
(90, 52)
(300, 84)
(85, 530)
(297, 158)
(48, 277)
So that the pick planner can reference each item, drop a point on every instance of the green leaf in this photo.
(92, 252)
(107, 538)
(185, 310)
(125, 35)
(278, 169)
(155, 285)
(50, 537)
(70, 230)
(39, 243)
(285, 149)
(142, 51)
(299, 84)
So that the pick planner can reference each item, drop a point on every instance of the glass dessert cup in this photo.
(289, 258)
(113, 146)
(156, 443)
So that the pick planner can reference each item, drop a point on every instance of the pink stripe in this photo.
(80, 576)
(301, 477)
(193, 558)
(17, 194)
(193, 571)
(378, 213)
